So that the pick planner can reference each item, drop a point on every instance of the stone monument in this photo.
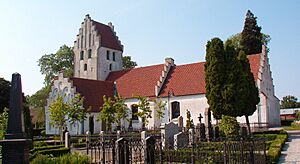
(15, 147)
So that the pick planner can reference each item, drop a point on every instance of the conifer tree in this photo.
(230, 92)
(251, 41)
(248, 92)
(215, 75)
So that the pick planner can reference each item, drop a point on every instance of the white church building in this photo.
(98, 72)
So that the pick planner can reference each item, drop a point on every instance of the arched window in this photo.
(81, 55)
(134, 110)
(90, 53)
(175, 109)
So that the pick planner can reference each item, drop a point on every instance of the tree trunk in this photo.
(248, 124)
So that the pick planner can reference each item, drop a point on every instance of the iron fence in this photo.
(133, 149)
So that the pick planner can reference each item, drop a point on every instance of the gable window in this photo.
(175, 109)
(85, 67)
(90, 53)
(114, 56)
(110, 67)
(107, 55)
(81, 55)
(134, 110)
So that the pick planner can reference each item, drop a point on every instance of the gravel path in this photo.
(290, 153)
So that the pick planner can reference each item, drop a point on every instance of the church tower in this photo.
(97, 50)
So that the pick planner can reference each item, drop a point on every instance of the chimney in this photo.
(169, 60)
(111, 26)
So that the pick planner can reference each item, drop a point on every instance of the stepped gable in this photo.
(137, 81)
(108, 36)
(93, 91)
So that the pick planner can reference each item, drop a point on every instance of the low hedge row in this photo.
(275, 147)
(49, 150)
(45, 148)
(65, 159)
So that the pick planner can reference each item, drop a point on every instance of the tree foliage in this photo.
(121, 109)
(113, 111)
(144, 110)
(4, 94)
(76, 111)
(52, 64)
(236, 41)
(58, 111)
(251, 40)
(215, 75)
(159, 107)
(128, 63)
(107, 114)
(3, 123)
(289, 102)
(229, 126)
(39, 98)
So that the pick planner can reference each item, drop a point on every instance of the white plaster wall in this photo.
(103, 63)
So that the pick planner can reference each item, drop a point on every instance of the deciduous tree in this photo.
(58, 111)
(52, 64)
(4, 94)
(159, 107)
(144, 110)
(107, 114)
(128, 63)
(289, 102)
(121, 110)
(76, 112)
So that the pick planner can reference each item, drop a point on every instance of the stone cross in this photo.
(200, 118)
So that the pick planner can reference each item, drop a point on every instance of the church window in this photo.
(85, 67)
(81, 55)
(114, 56)
(175, 109)
(134, 110)
(110, 67)
(107, 55)
(90, 53)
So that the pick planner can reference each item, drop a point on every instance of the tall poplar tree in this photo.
(251, 41)
(215, 75)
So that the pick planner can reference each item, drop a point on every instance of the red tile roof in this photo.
(137, 81)
(254, 61)
(189, 79)
(108, 37)
(186, 79)
(93, 91)
(182, 80)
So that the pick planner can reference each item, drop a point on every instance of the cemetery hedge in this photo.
(65, 159)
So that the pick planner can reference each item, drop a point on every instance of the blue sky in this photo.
(149, 31)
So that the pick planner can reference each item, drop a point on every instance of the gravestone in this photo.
(181, 140)
(15, 147)
(209, 132)
(168, 131)
(180, 122)
(202, 132)
(191, 136)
